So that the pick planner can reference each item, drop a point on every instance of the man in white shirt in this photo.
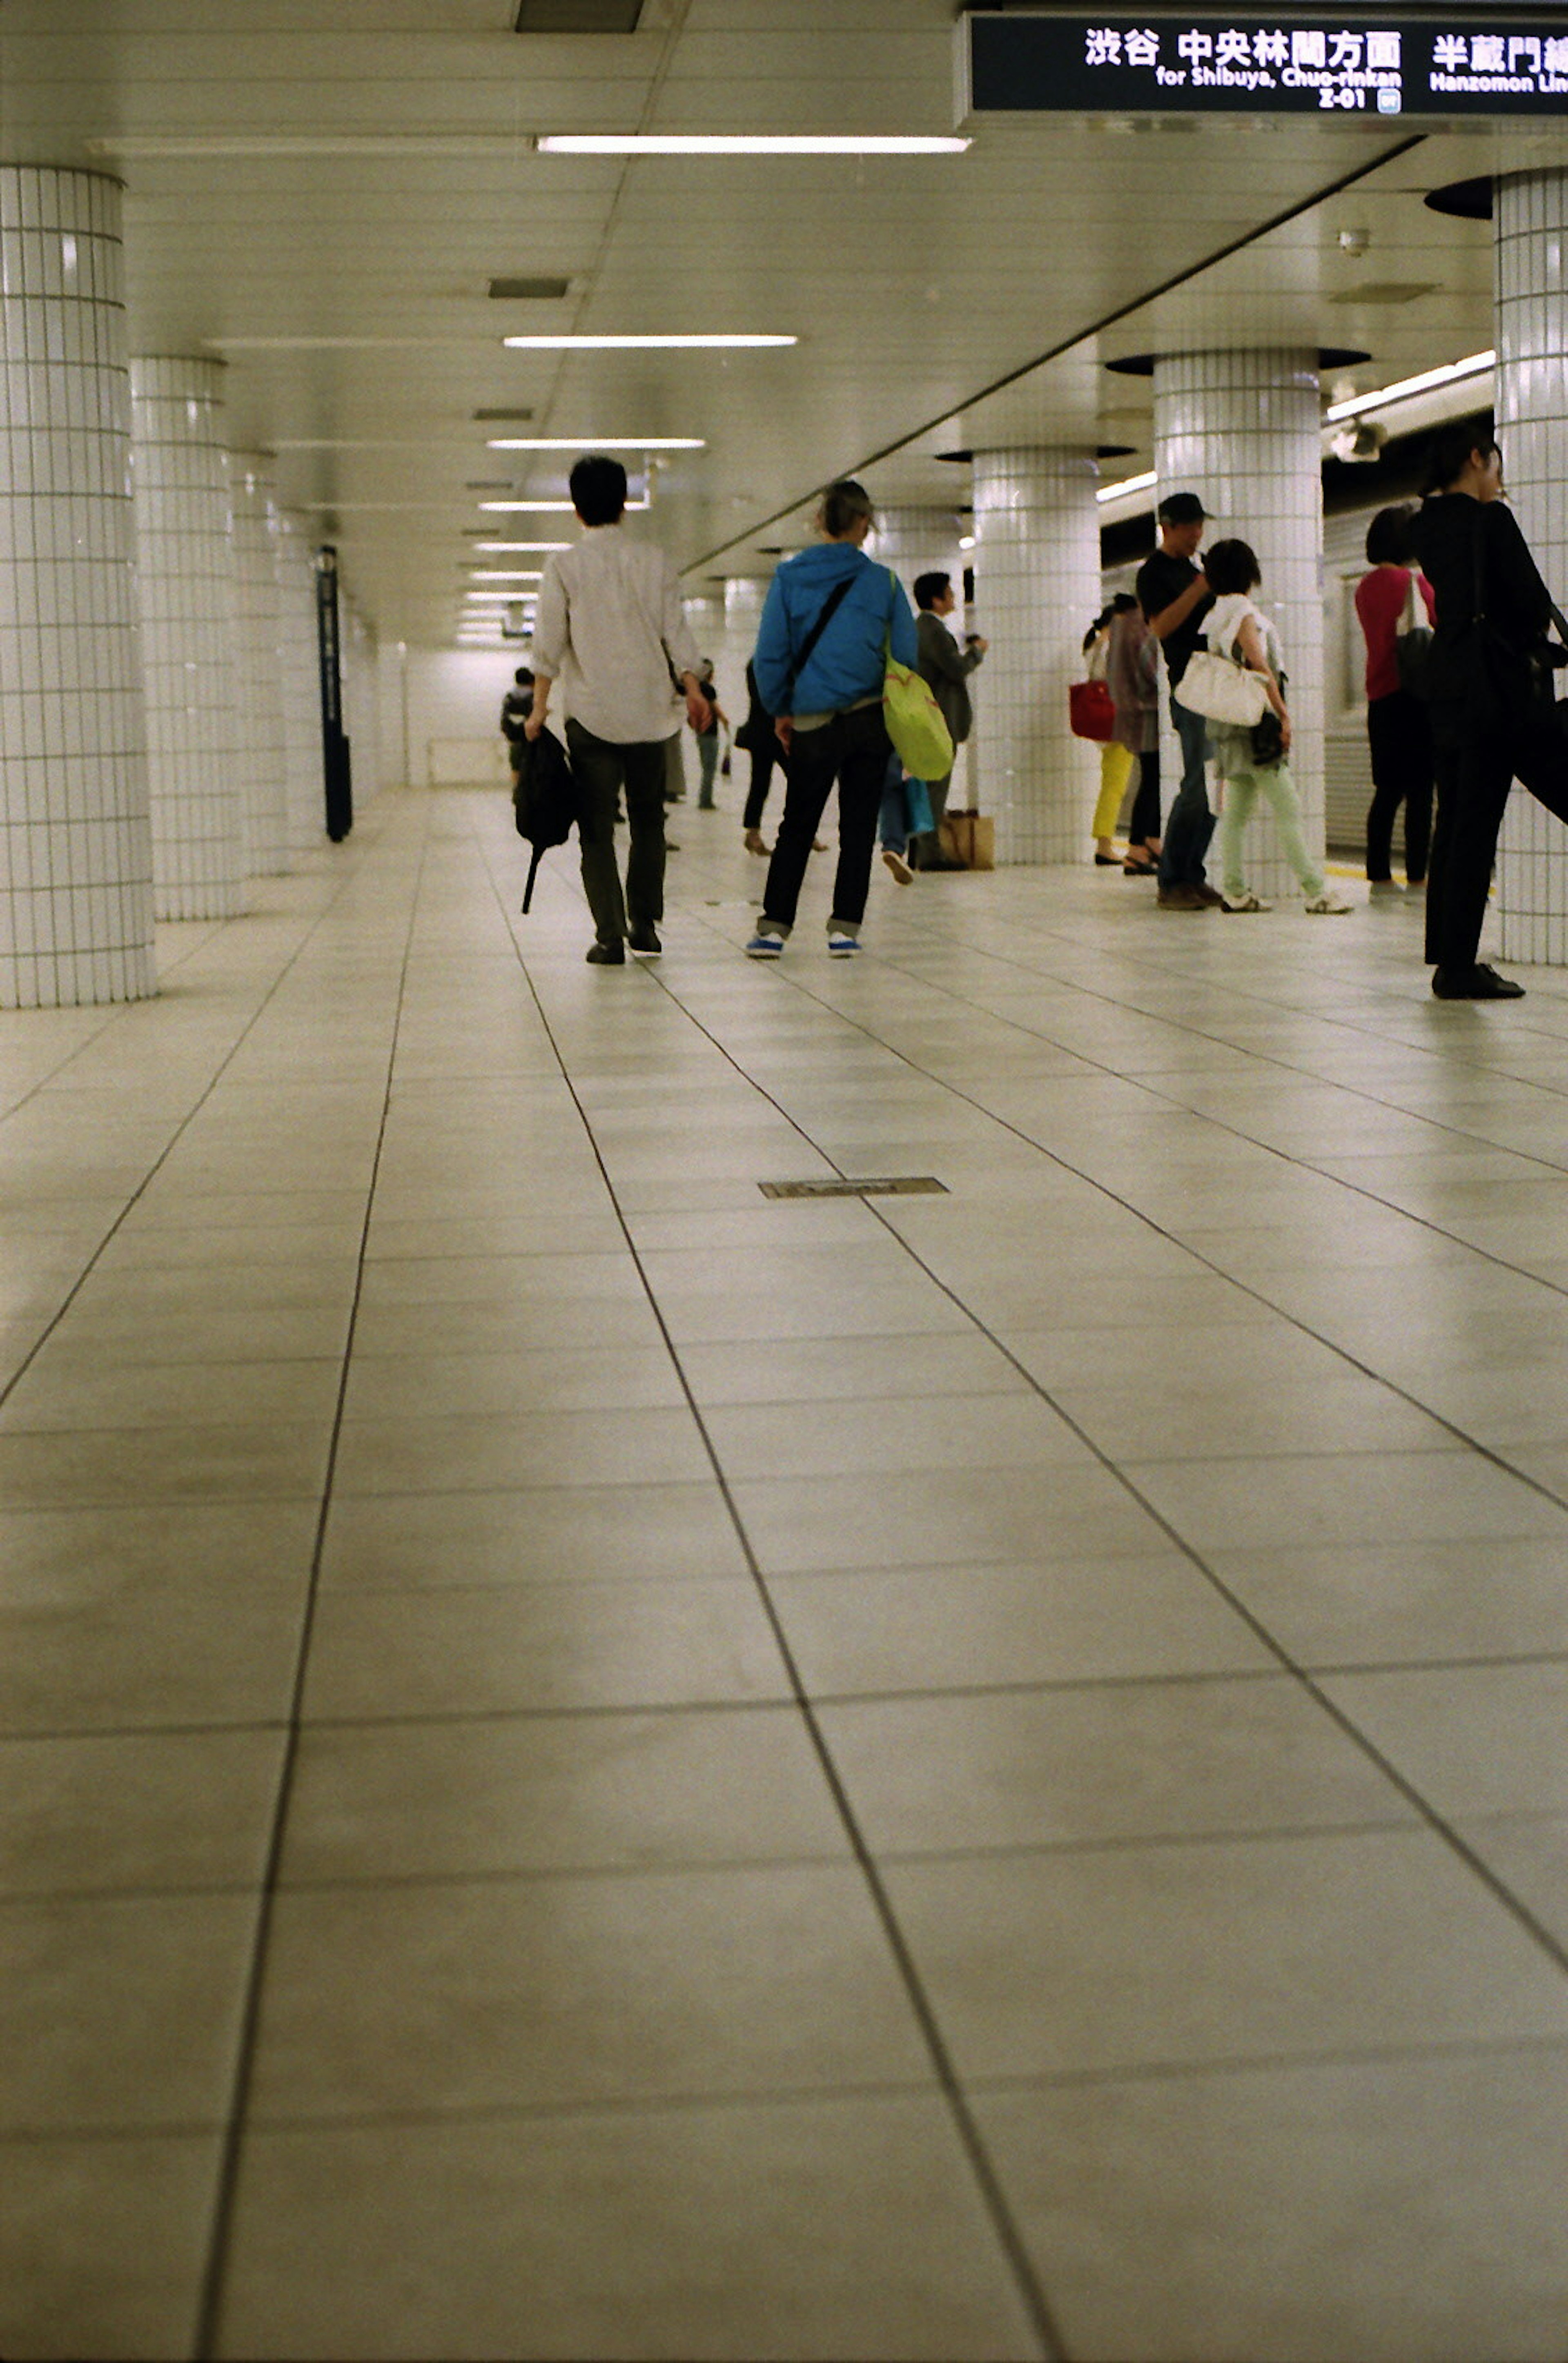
(610, 628)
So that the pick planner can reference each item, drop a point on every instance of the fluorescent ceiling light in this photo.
(742, 143)
(608, 344)
(966, 541)
(501, 574)
(1145, 484)
(511, 548)
(1473, 365)
(595, 443)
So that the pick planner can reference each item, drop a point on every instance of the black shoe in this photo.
(612, 955)
(644, 940)
(1478, 983)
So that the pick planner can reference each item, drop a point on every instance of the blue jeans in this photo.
(1190, 824)
(892, 820)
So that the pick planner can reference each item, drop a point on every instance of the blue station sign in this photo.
(1063, 63)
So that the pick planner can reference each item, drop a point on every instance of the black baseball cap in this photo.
(1182, 508)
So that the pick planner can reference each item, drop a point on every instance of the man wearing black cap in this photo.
(1174, 596)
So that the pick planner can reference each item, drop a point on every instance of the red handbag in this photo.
(1091, 710)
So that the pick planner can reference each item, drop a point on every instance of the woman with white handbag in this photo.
(1250, 734)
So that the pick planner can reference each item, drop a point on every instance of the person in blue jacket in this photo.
(821, 657)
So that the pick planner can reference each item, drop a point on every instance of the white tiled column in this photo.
(1532, 409)
(299, 672)
(1037, 561)
(1242, 430)
(261, 761)
(919, 541)
(75, 847)
(184, 551)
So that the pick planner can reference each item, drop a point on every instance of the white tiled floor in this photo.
(597, 1766)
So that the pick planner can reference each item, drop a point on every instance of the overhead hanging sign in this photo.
(1366, 63)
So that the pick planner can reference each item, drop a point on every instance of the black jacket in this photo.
(1450, 533)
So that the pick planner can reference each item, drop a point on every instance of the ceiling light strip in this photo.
(622, 344)
(1129, 484)
(595, 443)
(1404, 388)
(742, 143)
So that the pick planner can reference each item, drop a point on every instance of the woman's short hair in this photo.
(929, 588)
(1450, 455)
(597, 486)
(844, 507)
(1231, 566)
(1388, 536)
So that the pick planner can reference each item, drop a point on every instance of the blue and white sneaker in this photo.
(841, 945)
(764, 945)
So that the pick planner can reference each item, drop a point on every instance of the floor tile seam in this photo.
(989, 2189)
(1440, 1824)
(469, 1718)
(1213, 2068)
(258, 1011)
(243, 2063)
(731, 2099)
(1217, 1042)
(250, 1725)
(675, 1870)
(1159, 1839)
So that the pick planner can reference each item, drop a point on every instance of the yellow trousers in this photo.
(1116, 770)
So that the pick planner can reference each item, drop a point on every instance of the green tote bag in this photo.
(921, 738)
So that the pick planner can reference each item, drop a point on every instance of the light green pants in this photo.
(1274, 783)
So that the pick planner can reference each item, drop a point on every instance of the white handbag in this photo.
(1221, 690)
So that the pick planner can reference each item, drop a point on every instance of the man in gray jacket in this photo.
(947, 668)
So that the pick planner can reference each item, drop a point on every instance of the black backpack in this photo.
(545, 800)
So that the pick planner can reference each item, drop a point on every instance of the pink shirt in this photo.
(1381, 598)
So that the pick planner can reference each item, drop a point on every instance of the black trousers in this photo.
(1477, 759)
(604, 766)
(853, 748)
(1145, 825)
(766, 756)
(1399, 739)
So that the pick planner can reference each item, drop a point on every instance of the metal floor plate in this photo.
(897, 1185)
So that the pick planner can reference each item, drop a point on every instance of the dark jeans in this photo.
(604, 767)
(853, 749)
(1190, 824)
(765, 756)
(1399, 738)
(1145, 825)
(1477, 760)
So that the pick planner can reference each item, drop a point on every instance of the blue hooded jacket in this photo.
(847, 662)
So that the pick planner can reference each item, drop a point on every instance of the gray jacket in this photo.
(947, 667)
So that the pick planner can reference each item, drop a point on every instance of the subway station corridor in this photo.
(600, 1765)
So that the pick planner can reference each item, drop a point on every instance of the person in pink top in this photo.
(1392, 599)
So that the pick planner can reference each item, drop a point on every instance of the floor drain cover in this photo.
(896, 1185)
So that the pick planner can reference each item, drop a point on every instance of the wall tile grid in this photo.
(259, 761)
(75, 847)
(1530, 259)
(1037, 563)
(186, 593)
(744, 595)
(1241, 430)
(299, 673)
(361, 704)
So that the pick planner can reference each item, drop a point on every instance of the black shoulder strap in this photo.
(830, 607)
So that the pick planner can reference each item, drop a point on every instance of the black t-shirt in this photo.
(1160, 583)
(1449, 533)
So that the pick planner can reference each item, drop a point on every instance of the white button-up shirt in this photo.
(609, 611)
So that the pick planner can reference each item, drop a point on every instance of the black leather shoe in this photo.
(1478, 983)
(644, 940)
(607, 954)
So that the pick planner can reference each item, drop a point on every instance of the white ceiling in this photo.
(361, 188)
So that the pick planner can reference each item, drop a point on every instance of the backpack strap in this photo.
(829, 609)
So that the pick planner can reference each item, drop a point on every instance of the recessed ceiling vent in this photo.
(532, 290)
(503, 417)
(577, 16)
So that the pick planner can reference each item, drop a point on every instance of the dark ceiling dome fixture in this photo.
(1329, 357)
(1465, 200)
(531, 290)
(577, 16)
(1102, 452)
